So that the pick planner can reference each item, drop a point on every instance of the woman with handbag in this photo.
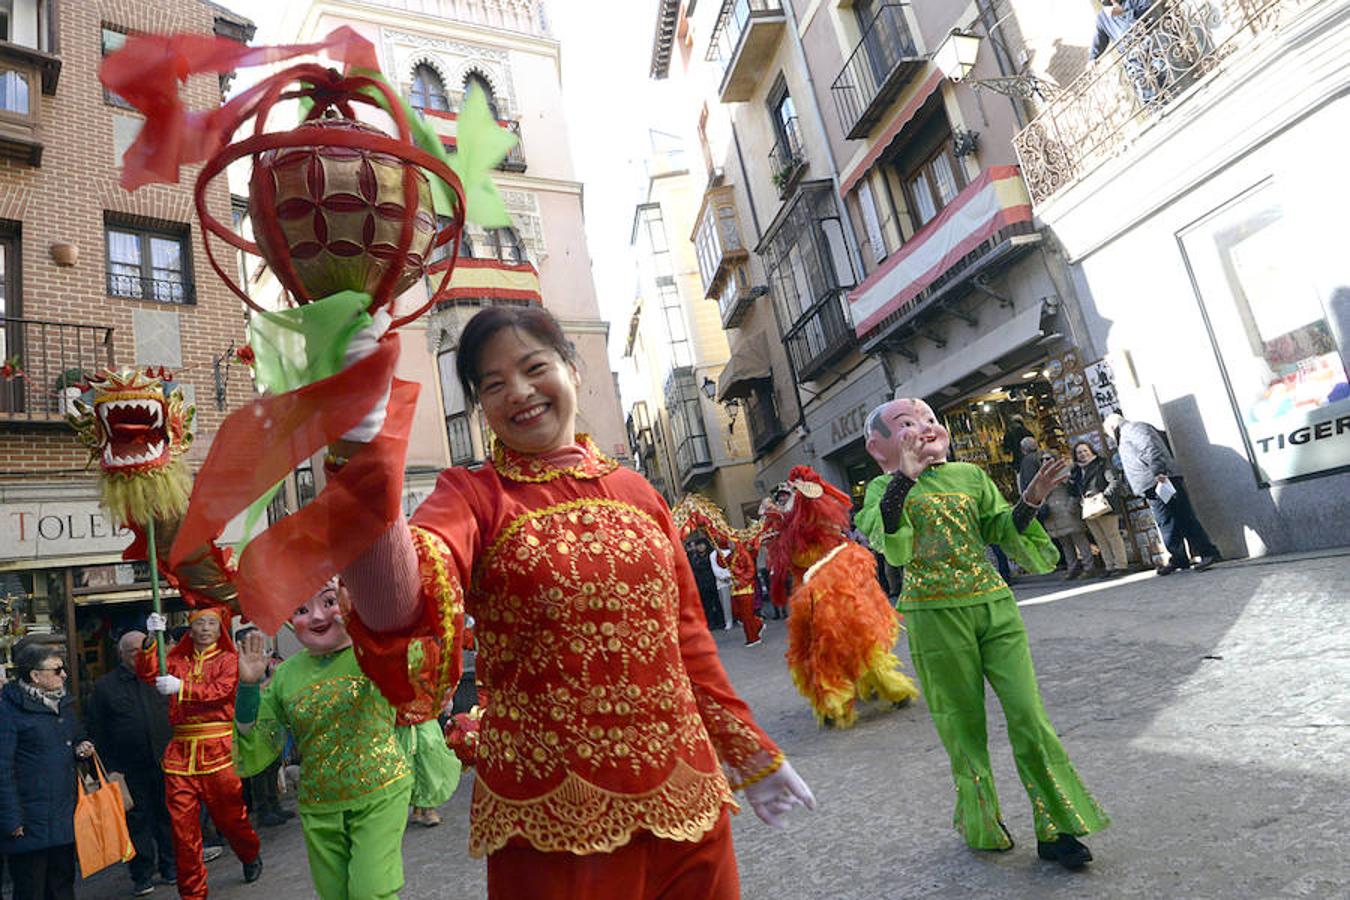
(40, 739)
(1099, 484)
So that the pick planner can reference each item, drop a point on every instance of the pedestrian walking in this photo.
(697, 553)
(40, 740)
(1152, 472)
(935, 517)
(1102, 494)
(129, 721)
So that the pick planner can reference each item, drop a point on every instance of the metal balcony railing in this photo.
(882, 63)
(766, 429)
(822, 335)
(515, 158)
(48, 363)
(743, 35)
(1109, 106)
(165, 290)
(787, 159)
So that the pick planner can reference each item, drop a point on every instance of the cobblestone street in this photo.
(1208, 712)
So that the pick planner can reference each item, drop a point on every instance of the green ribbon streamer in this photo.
(296, 347)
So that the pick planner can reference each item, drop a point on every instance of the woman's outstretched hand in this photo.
(1053, 473)
(774, 796)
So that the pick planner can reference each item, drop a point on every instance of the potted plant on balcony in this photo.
(69, 385)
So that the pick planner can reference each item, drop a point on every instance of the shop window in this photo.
(428, 91)
(1281, 339)
(149, 262)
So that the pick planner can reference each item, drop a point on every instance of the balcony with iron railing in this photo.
(766, 429)
(29, 68)
(137, 287)
(743, 41)
(787, 159)
(821, 336)
(718, 247)
(885, 60)
(514, 161)
(46, 365)
(1173, 48)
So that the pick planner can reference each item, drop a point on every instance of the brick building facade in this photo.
(92, 276)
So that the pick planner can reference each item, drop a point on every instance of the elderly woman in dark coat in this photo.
(1094, 476)
(40, 739)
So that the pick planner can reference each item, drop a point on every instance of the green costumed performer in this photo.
(935, 519)
(357, 780)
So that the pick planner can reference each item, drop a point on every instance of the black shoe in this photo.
(253, 870)
(170, 879)
(142, 888)
(1066, 850)
(1207, 561)
(1168, 569)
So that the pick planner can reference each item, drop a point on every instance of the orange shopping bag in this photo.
(101, 835)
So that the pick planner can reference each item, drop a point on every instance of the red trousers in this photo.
(646, 868)
(743, 608)
(224, 798)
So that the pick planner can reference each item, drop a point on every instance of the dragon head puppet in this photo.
(137, 428)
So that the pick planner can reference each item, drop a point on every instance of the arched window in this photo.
(506, 245)
(475, 81)
(428, 91)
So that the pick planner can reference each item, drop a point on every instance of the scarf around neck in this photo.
(49, 699)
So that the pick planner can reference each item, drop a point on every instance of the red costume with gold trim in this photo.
(198, 763)
(841, 628)
(608, 711)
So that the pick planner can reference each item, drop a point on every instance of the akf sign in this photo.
(57, 529)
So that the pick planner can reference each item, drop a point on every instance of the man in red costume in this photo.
(203, 674)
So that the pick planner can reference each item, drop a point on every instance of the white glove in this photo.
(168, 685)
(772, 797)
(155, 622)
(363, 344)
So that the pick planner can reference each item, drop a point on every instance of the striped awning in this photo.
(489, 279)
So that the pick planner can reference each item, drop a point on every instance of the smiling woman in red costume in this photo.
(612, 739)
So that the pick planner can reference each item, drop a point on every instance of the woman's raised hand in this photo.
(253, 658)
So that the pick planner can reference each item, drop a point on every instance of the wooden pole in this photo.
(154, 589)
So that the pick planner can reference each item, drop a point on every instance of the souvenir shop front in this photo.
(1058, 401)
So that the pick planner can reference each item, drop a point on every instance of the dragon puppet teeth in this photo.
(152, 453)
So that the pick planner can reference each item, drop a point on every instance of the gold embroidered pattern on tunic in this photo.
(949, 558)
(537, 470)
(337, 715)
(581, 817)
(735, 741)
(433, 564)
(577, 619)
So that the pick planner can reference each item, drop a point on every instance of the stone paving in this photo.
(1209, 713)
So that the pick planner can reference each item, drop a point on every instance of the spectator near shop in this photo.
(40, 739)
(130, 723)
(1150, 468)
(1094, 477)
(1014, 440)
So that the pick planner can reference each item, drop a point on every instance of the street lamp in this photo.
(709, 388)
(956, 56)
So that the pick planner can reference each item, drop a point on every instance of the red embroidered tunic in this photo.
(202, 712)
(609, 711)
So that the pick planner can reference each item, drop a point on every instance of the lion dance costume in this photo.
(840, 628)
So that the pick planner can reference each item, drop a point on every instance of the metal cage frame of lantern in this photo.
(332, 95)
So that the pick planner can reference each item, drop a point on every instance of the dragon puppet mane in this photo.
(816, 522)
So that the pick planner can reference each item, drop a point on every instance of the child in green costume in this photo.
(357, 781)
(935, 519)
